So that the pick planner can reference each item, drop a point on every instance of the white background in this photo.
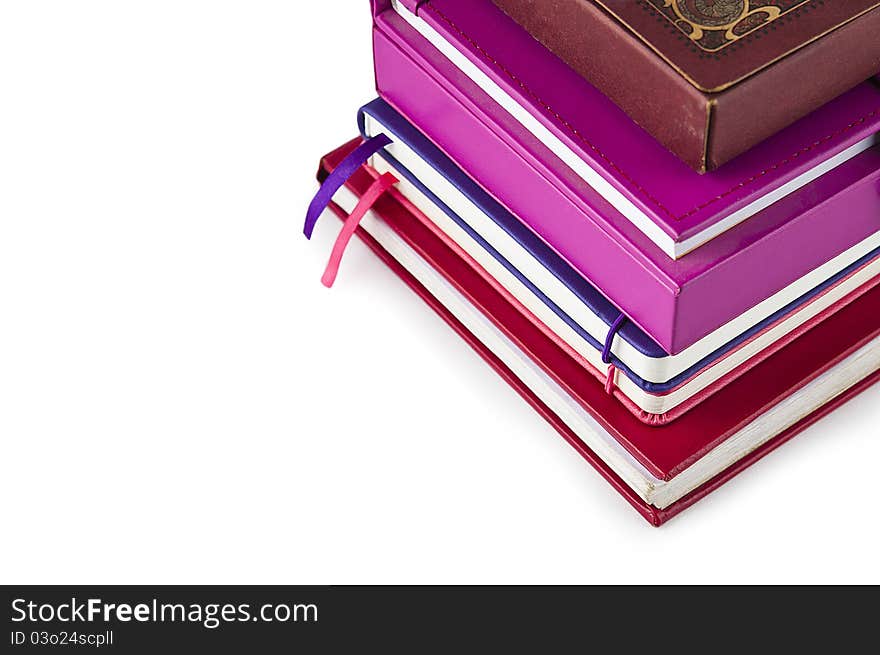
(181, 401)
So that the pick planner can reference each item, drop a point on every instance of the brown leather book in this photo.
(709, 79)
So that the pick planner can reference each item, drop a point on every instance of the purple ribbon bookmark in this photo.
(340, 176)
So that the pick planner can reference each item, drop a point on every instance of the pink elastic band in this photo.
(611, 379)
(364, 205)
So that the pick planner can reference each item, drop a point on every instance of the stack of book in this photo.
(659, 221)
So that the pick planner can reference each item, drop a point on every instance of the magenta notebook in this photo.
(675, 207)
(678, 301)
(649, 396)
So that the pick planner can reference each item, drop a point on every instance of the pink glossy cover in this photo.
(664, 451)
(676, 302)
(680, 201)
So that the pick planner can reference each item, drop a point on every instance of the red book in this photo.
(659, 470)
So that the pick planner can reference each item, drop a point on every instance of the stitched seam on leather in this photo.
(573, 131)
(780, 164)
(550, 109)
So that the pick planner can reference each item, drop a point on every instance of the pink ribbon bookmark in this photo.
(364, 205)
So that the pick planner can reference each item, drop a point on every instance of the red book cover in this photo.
(665, 451)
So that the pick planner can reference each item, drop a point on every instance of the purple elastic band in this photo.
(615, 328)
(339, 176)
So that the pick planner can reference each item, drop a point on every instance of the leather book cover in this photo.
(664, 451)
(675, 301)
(403, 134)
(710, 79)
(470, 48)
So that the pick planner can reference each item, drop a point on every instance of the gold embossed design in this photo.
(712, 25)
